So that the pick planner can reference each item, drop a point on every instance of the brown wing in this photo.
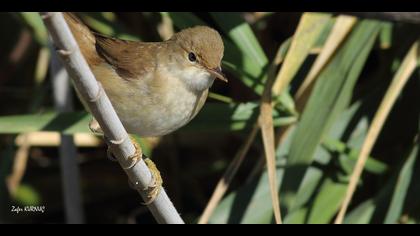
(130, 59)
(84, 37)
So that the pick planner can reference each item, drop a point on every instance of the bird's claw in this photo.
(155, 185)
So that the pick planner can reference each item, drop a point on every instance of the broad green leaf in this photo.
(395, 88)
(387, 205)
(320, 210)
(362, 214)
(330, 96)
(309, 29)
(401, 188)
(326, 203)
(214, 117)
(67, 123)
(297, 216)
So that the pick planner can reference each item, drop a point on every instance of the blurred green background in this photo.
(330, 74)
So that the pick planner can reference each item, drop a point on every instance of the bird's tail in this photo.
(84, 37)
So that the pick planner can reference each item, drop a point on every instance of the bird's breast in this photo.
(153, 105)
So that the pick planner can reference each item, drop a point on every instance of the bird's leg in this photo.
(156, 182)
(155, 185)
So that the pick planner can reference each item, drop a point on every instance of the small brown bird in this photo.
(155, 87)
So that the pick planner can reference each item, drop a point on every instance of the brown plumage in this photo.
(201, 40)
(155, 87)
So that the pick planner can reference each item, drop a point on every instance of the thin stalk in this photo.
(265, 121)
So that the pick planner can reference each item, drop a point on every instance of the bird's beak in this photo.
(217, 72)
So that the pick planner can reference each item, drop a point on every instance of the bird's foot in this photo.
(155, 184)
(138, 153)
(154, 187)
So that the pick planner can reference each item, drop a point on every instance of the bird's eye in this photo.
(192, 57)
